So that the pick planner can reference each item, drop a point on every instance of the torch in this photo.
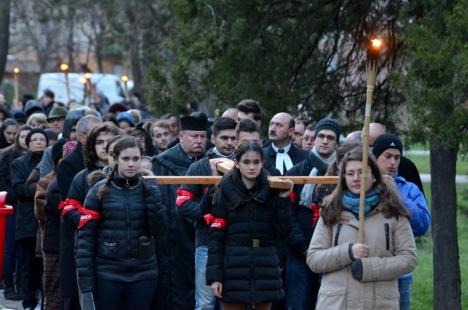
(124, 80)
(64, 68)
(16, 72)
(373, 52)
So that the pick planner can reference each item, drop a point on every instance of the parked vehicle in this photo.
(108, 85)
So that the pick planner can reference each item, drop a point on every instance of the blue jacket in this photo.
(415, 202)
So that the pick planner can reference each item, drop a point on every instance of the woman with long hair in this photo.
(358, 275)
(8, 132)
(248, 217)
(116, 253)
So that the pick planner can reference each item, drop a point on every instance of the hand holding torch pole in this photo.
(373, 53)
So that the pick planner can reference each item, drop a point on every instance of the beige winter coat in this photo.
(392, 253)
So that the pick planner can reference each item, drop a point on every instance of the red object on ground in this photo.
(5, 210)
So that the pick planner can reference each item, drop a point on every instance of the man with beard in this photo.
(194, 204)
(301, 283)
(176, 251)
(281, 153)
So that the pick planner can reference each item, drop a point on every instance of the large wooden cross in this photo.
(279, 182)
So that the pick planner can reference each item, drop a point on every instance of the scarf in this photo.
(350, 202)
(308, 189)
(218, 154)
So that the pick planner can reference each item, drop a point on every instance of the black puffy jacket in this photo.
(120, 246)
(242, 255)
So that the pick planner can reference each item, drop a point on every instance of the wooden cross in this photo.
(278, 182)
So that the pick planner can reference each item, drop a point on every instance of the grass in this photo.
(423, 164)
(423, 276)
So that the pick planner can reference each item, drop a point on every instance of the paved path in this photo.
(459, 179)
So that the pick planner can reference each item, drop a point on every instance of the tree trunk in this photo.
(4, 35)
(446, 269)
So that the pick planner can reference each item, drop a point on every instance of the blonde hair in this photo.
(40, 118)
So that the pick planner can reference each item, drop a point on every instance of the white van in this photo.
(107, 85)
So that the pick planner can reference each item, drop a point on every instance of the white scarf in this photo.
(308, 189)
(283, 159)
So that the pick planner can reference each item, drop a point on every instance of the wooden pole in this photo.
(16, 72)
(371, 73)
(274, 181)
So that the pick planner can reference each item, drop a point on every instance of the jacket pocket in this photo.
(387, 296)
(331, 298)
(108, 249)
(146, 247)
(387, 236)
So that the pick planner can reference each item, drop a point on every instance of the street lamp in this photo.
(374, 48)
(124, 80)
(16, 72)
(65, 68)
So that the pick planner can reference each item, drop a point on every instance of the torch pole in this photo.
(371, 73)
(16, 73)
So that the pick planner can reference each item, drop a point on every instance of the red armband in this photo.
(293, 197)
(315, 212)
(68, 205)
(88, 215)
(182, 196)
(208, 218)
(219, 223)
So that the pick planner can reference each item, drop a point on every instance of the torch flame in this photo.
(376, 43)
(124, 78)
(64, 67)
(87, 76)
(83, 80)
(16, 70)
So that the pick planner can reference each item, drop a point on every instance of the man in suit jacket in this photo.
(281, 153)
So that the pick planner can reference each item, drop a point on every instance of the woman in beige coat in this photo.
(355, 275)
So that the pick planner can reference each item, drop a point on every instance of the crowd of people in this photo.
(92, 229)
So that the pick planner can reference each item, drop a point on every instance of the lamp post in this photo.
(16, 72)
(64, 68)
(373, 52)
(124, 79)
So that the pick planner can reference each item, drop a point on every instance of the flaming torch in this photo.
(124, 80)
(64, 68)
(373, 52)
(16, 72)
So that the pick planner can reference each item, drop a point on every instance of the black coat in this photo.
(176, 288)
(297, 155)
(21, 168)
(302, 225)
(51, 242)
(68, 168)
(120, 246)
(5, 176)
(409, 171)
(194, 209)
(242, 255)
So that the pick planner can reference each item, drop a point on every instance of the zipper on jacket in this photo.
(387, 236)
(127, 215)
(337, 235)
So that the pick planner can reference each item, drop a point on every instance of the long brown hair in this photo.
(123, 143)
(390, 202)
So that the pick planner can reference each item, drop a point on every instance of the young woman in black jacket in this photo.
(248, 217)
(116, 260)
(26, 223)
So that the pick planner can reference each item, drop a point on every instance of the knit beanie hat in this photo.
(329, 124)
(384, 142)
(34, 131)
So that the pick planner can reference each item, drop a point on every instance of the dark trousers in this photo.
(10, 247)
(31, 270)
(122, 295)
(302, 285)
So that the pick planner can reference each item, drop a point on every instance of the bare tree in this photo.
(4, 35)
